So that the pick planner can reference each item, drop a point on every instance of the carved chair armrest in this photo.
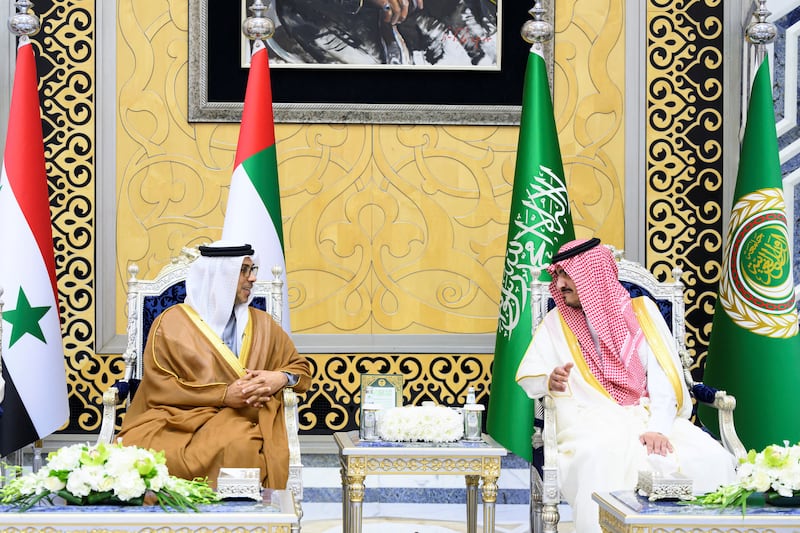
(113, 399)
(725, 403)
(545, 494)
(109, 421)
(550, 492)
(295, 481)
(720, 400)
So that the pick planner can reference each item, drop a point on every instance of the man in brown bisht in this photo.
(213, 372)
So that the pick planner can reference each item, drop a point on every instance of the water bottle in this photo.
(470, 396)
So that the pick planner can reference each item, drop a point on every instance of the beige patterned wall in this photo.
(388, 229)
(589, 79)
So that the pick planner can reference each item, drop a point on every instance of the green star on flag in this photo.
(25, 319)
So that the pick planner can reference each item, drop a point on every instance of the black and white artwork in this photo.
(366, 61)
(435, 34)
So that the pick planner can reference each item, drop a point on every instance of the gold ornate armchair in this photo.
(146, 300)
(545, 493)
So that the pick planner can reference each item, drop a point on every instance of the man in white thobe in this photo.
(612, 367)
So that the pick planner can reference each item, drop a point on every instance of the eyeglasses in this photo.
(249, 270)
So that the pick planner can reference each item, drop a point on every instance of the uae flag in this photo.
(35, 402)
(754, 349)
(253, 214)
(539, 223)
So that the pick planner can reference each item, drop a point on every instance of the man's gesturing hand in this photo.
(559, 376)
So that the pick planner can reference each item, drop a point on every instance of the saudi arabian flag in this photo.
(253, 215)
(539, 223)
(754, 350)
(35, 402)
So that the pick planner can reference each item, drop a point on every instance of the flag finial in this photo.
(760, 32)
(537, 31)
(258, 27)
(23, 23)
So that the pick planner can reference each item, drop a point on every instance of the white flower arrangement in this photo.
(88, 475)
(774, 471)
(429, 423)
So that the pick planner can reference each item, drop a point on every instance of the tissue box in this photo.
(658, 486)
(239, 483)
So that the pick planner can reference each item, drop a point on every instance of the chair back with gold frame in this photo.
(668, 296)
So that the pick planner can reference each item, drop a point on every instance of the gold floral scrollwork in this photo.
(65, 50)
(684, 117)
(489, 489)
(336, 392)
(356, 466)
(491, 466)
(355, 488)
(609, 522)
(424, 464)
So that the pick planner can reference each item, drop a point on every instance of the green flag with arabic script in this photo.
(754, 350)
(539, 223)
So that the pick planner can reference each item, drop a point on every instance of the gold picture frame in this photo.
(382, 390)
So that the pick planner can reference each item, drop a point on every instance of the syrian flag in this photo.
(253, 214)
(539, 223)
(35, 402)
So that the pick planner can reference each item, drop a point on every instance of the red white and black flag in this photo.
(35, 400)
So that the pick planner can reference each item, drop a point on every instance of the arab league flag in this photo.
(253, 215)
(754, 350)
(35, 402)
(539, 223)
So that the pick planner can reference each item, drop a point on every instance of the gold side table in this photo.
(624, 512)
(275, 514)
(478, 462)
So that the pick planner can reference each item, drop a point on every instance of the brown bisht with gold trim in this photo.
(179, 405)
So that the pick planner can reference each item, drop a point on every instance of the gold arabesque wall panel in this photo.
(443, 378)
(589, 94)
(684, 147)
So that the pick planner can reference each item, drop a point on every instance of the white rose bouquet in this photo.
(775, 471)
(434, 423)
(106, 474)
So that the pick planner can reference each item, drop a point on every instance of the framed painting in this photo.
(452, 68)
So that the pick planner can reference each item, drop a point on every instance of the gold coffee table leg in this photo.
(353, 502)
(472, 503)
(489, 493)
